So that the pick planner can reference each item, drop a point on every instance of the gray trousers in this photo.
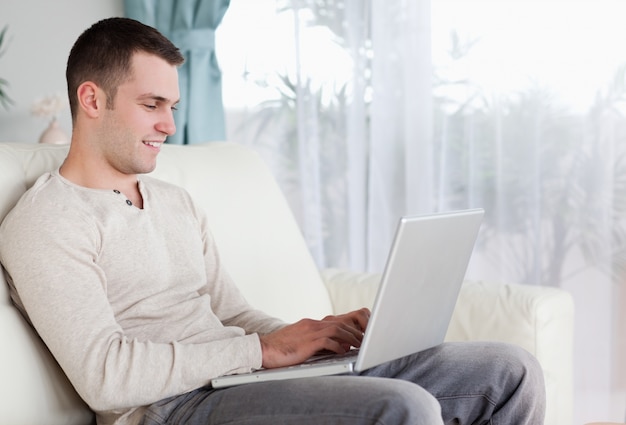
(454, 383)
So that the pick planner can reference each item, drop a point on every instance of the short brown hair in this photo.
(103, 54)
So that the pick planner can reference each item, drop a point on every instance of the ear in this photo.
(91, 99)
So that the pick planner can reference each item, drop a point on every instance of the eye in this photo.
(174, 108)
(151, 107)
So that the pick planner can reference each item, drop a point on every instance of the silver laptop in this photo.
(415, 300)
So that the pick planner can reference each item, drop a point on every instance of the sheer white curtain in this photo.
(401, 143)
(370, 109)
(345, 118)
(529, 123)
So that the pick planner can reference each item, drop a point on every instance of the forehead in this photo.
(151, 73)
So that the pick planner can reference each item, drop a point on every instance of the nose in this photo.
(166, 124)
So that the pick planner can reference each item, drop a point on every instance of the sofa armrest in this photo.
(539, 319)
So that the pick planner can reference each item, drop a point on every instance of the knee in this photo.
(522, 373)
(524, 366)
(403, 402)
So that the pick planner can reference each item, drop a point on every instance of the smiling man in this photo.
(119, 274)
(122, 112)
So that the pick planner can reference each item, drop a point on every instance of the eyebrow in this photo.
(158, 98)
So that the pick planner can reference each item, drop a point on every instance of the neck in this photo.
(84, 169)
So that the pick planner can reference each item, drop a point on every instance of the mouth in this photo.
(153, 144)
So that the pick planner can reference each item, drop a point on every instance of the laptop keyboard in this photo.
(333, 357)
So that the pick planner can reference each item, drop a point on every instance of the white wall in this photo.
(40, 36)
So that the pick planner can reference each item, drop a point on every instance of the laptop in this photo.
(416, 297)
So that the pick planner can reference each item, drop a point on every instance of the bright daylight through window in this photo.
(524, 116)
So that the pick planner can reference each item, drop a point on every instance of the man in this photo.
(119, 274)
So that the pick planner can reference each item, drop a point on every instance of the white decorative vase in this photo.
(54, 134)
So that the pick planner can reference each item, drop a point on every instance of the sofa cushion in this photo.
(255, 230)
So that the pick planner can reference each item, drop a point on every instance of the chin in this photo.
(148, 169)
(144, 168)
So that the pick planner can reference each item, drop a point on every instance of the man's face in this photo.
(133, 132)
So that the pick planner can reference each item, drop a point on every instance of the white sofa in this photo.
(266, 254)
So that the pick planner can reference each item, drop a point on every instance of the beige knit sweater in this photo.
(133, 303)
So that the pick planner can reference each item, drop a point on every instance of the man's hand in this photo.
(295, 343)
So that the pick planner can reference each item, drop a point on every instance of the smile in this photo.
(153, 144)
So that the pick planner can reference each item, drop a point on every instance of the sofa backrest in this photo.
(256, 233)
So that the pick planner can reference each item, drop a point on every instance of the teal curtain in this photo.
(191, 25)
